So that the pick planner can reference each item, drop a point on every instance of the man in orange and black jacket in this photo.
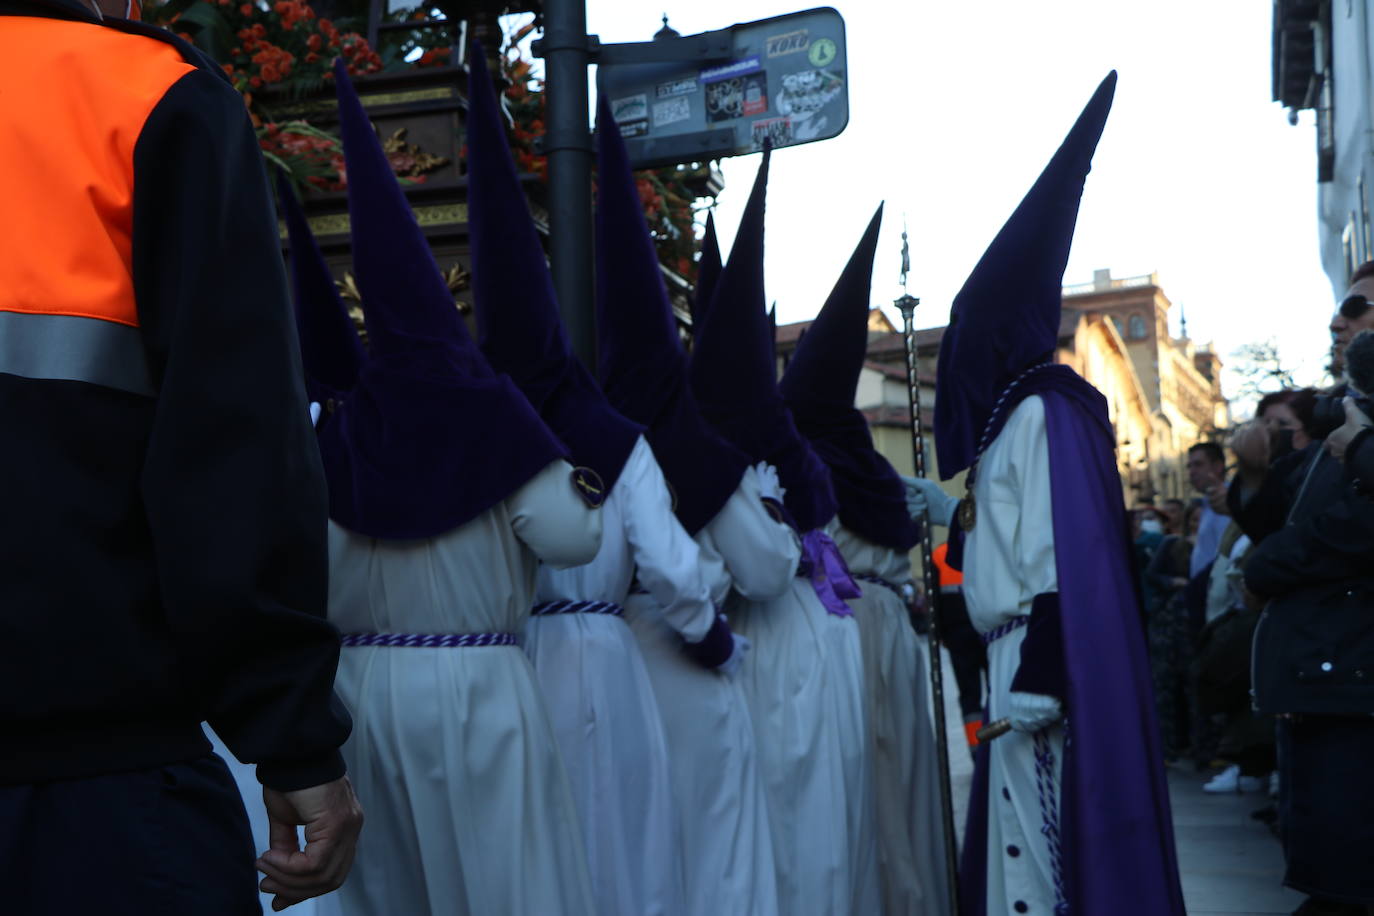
(162, 544)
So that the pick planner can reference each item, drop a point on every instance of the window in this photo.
(1137, 328)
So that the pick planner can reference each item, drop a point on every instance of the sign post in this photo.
(723, 93)
(677, 100)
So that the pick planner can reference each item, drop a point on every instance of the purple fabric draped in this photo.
(829, 573)
(1115, 821)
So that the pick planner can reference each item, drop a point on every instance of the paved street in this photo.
(1231, 863)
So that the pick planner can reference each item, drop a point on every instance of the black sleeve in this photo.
(1160, 572)
(232, 482)
(1334, 546)
(1042, 651)
(1265, 512)
(1359, 462)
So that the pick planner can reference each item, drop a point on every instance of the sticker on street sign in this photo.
(784, 80)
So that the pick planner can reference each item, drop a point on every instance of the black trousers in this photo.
(170, 841)
(1326, 806)
(967, 654)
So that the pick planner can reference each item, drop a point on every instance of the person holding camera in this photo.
(1308, 512)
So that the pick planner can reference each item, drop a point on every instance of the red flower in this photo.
(314, 42)
(246, 10)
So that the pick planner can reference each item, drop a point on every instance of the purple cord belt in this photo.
(549, 608)
(1011, 626)
(430, 640)
(879, 580)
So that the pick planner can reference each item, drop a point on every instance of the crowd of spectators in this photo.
(1258, 596)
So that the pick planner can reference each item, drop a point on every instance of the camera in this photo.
(1328, 413)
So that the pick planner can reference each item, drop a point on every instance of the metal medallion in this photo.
(967, 513)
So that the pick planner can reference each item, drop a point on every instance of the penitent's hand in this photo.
(923, 494)
(1032, 712)
(332, 819)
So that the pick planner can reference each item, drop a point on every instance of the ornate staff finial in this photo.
(906, 255)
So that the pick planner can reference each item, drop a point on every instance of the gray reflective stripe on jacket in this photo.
(41, 346)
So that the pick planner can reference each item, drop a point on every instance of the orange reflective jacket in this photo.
(67, 307)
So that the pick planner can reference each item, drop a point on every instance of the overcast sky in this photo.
(955, 108)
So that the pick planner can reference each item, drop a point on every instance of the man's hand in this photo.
(1355, 420)
(332, 818)
(1251, 445)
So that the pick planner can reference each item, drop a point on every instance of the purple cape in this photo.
(1115, 823)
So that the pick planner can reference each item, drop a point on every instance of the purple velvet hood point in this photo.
(734, 375)
(643, 368)
(429, 437)
(519, 327)
(819, 387)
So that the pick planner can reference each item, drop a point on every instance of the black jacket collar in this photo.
(56, 9)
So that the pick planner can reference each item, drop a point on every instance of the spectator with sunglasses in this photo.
(1352, 316)
(1313, 647)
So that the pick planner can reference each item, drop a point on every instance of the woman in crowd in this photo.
(1170, 634)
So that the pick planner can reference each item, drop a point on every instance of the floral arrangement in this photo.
(284, 50)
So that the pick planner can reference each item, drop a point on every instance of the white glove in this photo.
(769, 485)
(922, 494)
(732, 664)
(314, 413)
(1031, 712)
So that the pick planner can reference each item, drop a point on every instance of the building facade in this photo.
(1322, 62)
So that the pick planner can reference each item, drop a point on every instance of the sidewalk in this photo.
(1231, 864)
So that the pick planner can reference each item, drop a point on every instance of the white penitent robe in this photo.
(1008, 560)
(806, 698)
(911, 853)
(600, 698)
(728, 861)
(452, 754)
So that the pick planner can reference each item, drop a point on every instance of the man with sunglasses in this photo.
(1314, 650)
(1352, 316)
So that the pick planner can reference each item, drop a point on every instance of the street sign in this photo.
(782, 79)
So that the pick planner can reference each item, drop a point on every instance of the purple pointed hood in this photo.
(517, 310)
(331, 353)
(430, 437)
(820, 385)
(643, 367)
(708, 272)
(1006, 317)
(734, 376)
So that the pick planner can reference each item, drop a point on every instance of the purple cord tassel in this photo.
(830, 575)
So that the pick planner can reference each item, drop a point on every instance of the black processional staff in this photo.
(907, 304)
